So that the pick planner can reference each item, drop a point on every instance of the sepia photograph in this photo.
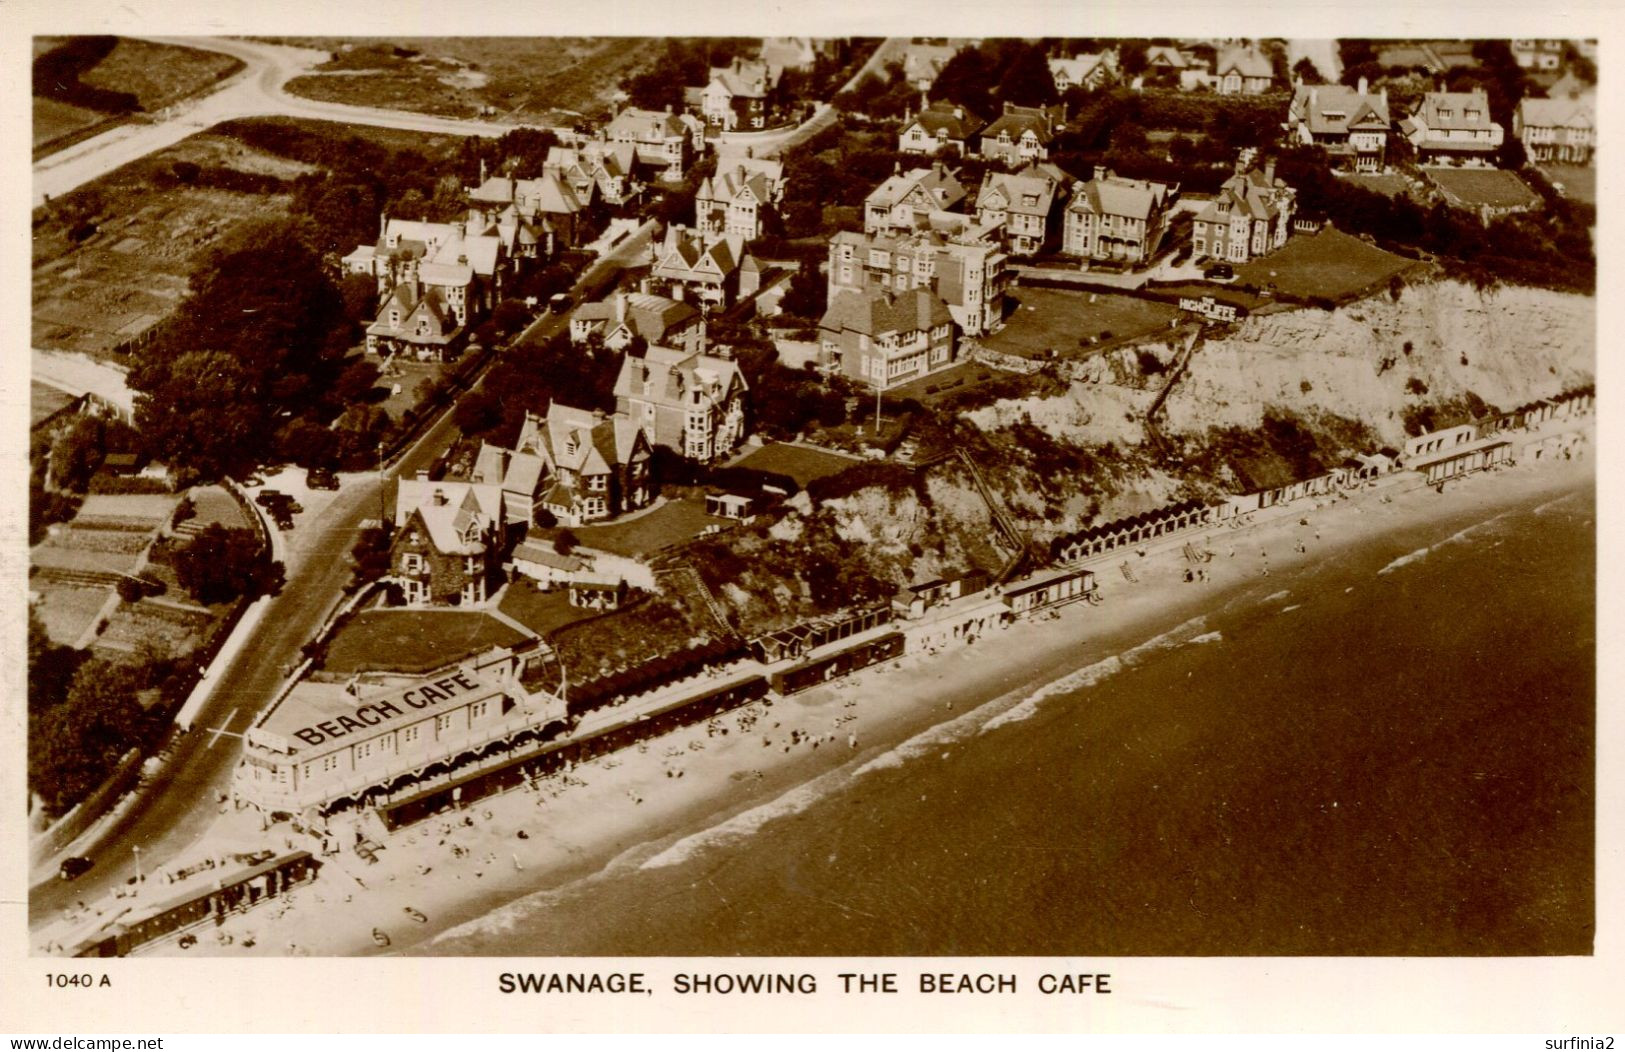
(811, 497)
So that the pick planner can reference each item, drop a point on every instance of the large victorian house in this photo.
(433, 279)
(1250, 216)
(906, 200)
(662, 141)
(1021, 134)
(692, 404)
(448, 540)
(597, 464)
(735, 199)
(964, 264)
(942, 125)
(1024, 205)
(1351, 124)
(707, 270)
(884, 338)
(1114, 219)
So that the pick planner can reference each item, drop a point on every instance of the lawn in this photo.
(1328, 264)
(1069, 322)
(541, 612)
(1579, 181)
(413, 640)
(800, 463)
(1479, 187)
(1386, 185)
(401, 382)
(673, 522)
(522, 79)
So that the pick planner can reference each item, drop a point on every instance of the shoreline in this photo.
(689, 789)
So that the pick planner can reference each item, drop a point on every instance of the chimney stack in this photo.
(1269, 171)
(1362, 86)
(1102, 173)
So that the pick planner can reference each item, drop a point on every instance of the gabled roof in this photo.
(743, 78)
(875, 312)
(1079, 68)
(955, 122)
(451, 244)
(1164, 55)
(939, 185)
(1027, 192)
(1458, 105)
(1336, 109)
(1251, 194)
(1557, 113)
(416, 303)
(449, 511)
(735, 175)
(665, 376)
(589, 443)
(1021, 120)
(649, 126)
(687, 253)
(1246, 60)
(1113, 195)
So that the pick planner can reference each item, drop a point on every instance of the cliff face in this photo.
(1507, 345)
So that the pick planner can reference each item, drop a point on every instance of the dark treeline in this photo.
(57, 73)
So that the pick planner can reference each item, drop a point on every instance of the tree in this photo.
(807, 296)
(73, 746)
(50, 666)
(1027, 80)
(76, 454)
(222, 564)
(1307, 72)
(964, 79)
(360, 295)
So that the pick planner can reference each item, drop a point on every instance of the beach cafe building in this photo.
(326, 748)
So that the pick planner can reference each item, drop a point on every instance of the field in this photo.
(672, 523)
(108, 290)
(541, 612)
(1579, 181)
(1482, 187)
(413, 640)
(142, 241)
(519, 79)
(214, 505)
(1329, 264)
(55, 120)
(800, 463)
(157, 74)
(1067, 322)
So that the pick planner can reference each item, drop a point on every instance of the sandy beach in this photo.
(725, 778)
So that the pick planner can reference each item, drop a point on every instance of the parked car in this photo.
(74, 867)
(271, 498)
(1221, 271)
(559, 303)
(321, 478)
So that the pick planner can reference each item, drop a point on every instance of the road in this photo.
(178, 807)
(771, 143)
(255, 91)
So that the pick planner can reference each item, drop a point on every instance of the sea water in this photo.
(1389, 752)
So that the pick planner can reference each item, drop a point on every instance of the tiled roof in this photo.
(448, 510)
(1248, 61)
(1250, 194)
(1018, 121)
(587, 442)
(1116, 196)
(925, 61)
(1556, 113)
(664, 376)
(956, 122)
(650, 126)
(1335, 109)
(875, 312)
(1027, 192)
(1076, 70)
(1458, 104)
